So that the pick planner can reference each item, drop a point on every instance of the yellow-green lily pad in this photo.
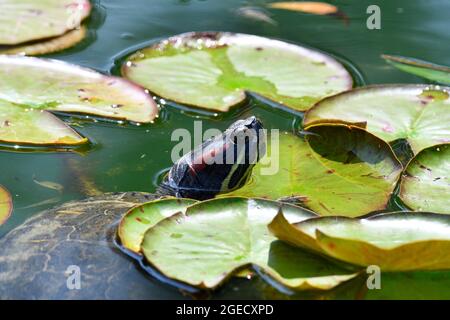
(402, 241)
(30, 87)
(337, 170)
(425, 185)
(418, 113)
(46, 46)
(27, 20)
(6, 205)
(215, 239)
(139, 219)
(420, 68)
(213, 70)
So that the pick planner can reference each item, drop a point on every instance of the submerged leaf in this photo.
(28, 20)
(6, 205)
(216, 238)
(46, 46)
(425, 185)
(420, 68)
(141, 218)
(213, 71)
(337, 171)
(402, 241)
(418, 113)
(321, 8)
(29, 87)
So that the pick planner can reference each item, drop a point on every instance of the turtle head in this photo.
(219, 165)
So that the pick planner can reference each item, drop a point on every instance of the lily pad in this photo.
(5, 205)
(425, 185)
(402, 241)
(418, 113)
(30, 87)
(46, 46)
(27, 20)
(337, 171)
(217, 238)
(213, 70)
(139, 219)
(424, 69)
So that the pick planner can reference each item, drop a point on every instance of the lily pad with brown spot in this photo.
(337, 170)
(6, 205)
(27, 20)
(418, 113)
(425, 185)
(31, 87)
(215, 239)
(214, 70)
(402, 241)
(138, 220)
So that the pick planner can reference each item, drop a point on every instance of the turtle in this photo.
(39, 258)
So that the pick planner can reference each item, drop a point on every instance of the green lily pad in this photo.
(5, 205)
(138, 220)
(424, 69)
(337, 171)
(217, 238)
(30, 87)
(418, 113)
(213, 70)
(46, 46)
(402, 241)
(425, 185)
(27, 20)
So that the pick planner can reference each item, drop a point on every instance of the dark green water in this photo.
(130, 158)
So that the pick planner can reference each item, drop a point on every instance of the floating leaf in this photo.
(28, 20)
(6, 205)
(139, 219)
(51, 45)
(402, 241)
(418, 113)
(321, 8)
(29, 87)
(216, 238)
(337, 171)
(420, 68)
(425, 185)
(213, 71)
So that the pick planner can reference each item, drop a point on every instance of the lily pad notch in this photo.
(214, 70)
(31, 88)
